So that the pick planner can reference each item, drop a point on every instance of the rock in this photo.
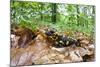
(14, 41)
(92, 46)
(84, 42)
(40, 51)
(53, 55)
(61, 50)
(14, 60)
(42, 60)
(51, 58)
(75, 56)
(12, 36)
(36, 56)
(88, 58)
(25, 59)
(66, 53)
(61, 56)
(66, 59)
(85, 51)
(20, 57)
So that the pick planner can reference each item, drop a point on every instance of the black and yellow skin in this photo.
(64, 41)
(61, 40)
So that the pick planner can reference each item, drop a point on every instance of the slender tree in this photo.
(41, 11)
(77, 10)
(93, 9)
(54, 11)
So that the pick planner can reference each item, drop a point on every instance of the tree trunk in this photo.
(54, 11)
(41, 11)
(93, 8)
(77, 10)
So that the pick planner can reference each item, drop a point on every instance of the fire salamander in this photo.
(61, 40)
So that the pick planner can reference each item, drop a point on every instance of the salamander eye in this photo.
(48, 33)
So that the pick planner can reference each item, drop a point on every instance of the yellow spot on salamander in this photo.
(61, 42)
(67, 42)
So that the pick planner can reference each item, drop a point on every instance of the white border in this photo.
(4, 33)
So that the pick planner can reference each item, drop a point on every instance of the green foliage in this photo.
(69, 17)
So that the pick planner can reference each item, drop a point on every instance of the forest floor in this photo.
(44, 48)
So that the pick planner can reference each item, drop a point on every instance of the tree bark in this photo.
(41, 12)
(77, 10)
(54, 11)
